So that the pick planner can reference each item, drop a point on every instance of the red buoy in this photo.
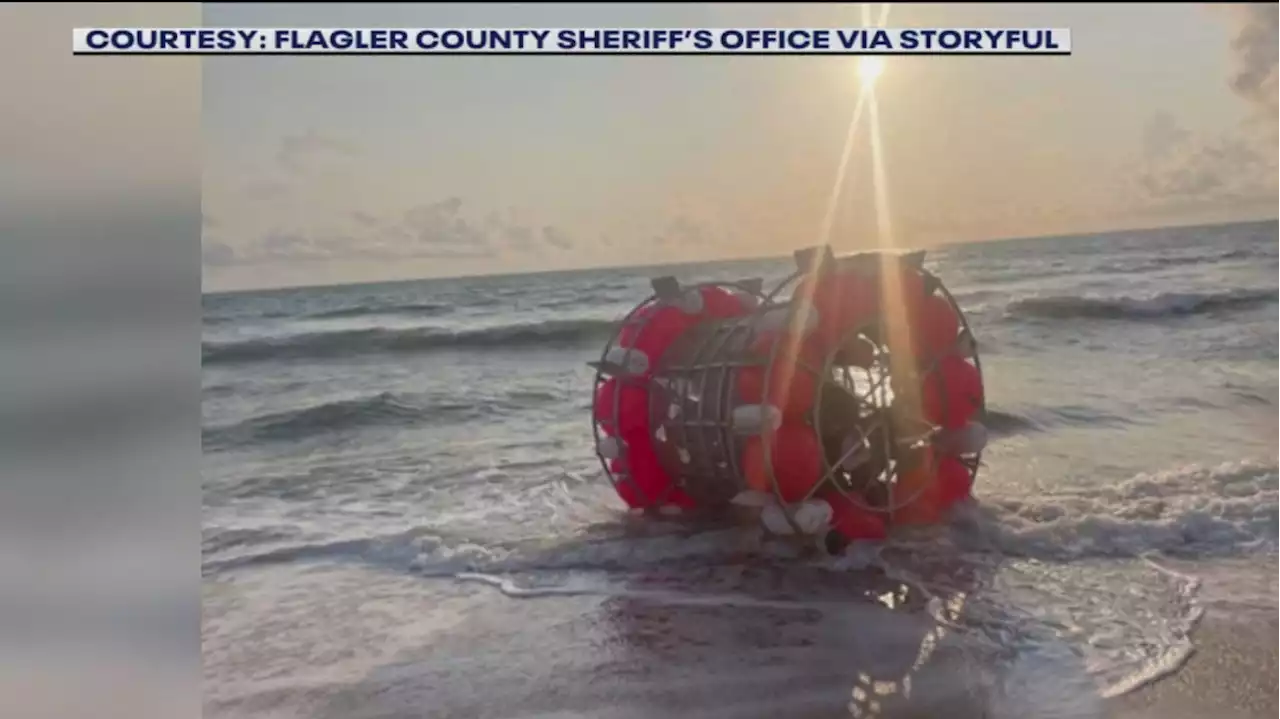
(793, 381)
(797, 462)
(721, 303)
(903, 298)
(842, 300)
(853, 522)
(955, 481)
(642, 482)
(651, 329)
(937, 327)
(632, 404)
(902, 287)
(952, 392)
(917, 498)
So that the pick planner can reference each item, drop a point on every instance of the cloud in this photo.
(391, 245)
(1256, 46)
(265, 191)
(217, 254)
(440, 225)
(283, 243)
(519, 238)
(479, 253)
(437, 230)
(434, 230)
(556, 238)
(297, 153)
(1181, 168)
(1235, 171)
(685, 232)
(1161, 135)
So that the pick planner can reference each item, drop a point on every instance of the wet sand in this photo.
(352, 643)
(1232, 675)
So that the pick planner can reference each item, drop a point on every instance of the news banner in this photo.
(571, 41)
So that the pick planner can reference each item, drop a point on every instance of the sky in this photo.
(323, 170)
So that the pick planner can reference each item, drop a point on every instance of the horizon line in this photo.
(685, 263)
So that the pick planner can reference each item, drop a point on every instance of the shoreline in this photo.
(1232, 673)
(400, 643)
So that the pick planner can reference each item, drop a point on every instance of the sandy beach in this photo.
(1231, 676)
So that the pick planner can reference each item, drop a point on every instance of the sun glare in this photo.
(870, 68)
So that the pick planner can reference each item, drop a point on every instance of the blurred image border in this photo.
(100, 307)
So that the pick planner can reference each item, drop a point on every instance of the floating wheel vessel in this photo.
(852, 406)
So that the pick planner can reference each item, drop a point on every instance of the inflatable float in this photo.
(850, 407)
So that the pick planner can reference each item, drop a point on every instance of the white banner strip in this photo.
(571, 41)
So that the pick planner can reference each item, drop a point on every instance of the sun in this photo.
(870, 68)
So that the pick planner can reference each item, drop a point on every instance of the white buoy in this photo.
(752, 498)
(610, 447)
(633, 361)
(969, 439)
(748, 419)
(811, 516)
(689, 302)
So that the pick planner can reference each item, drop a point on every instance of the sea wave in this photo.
(1005, 423)
(1194, 510)
(385, 409)
(1162, 305)
(1002, 423)
(417, 309)
(1222, 511)
(1146, 262)
(1236, 254)
(379, 340)
(412, 309)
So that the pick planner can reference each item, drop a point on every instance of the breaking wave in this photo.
(1225, 510)
(1162, 305)
(424, 309)
(1002, 423)
(381, 410)
(1232, 255)
(1005, 423)
(1194, 511)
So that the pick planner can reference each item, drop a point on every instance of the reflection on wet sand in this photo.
(856, 649)
(739, 641)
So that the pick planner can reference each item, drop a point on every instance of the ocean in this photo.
(403, 515)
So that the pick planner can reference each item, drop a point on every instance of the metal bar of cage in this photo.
(724, 331)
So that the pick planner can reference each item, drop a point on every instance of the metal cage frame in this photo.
(706, 358)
